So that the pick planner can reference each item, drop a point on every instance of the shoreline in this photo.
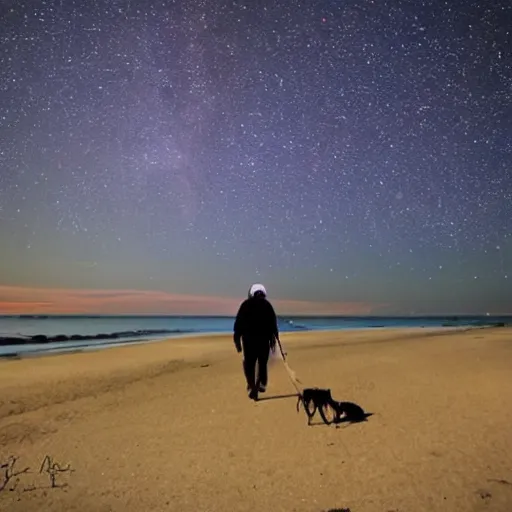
(94, 347)
(213, 344)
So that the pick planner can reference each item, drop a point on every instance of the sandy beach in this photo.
(168, 426)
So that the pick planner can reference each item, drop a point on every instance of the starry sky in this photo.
(162, 156)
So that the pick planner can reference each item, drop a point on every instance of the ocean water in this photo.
(23, 335)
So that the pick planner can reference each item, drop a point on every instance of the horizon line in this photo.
(279, 315)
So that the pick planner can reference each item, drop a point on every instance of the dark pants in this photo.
(256, 350)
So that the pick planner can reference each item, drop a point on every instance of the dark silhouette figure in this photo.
(256, 331)
(330, 410)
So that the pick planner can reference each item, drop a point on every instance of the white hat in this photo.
(257, 288)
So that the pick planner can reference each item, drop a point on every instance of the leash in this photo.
(293, 377)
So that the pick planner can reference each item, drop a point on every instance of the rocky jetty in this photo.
(62, 338)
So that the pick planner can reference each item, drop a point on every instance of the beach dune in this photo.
(168, 426)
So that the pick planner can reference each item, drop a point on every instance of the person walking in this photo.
(255, 332)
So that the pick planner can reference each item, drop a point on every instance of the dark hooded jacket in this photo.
(256, 319)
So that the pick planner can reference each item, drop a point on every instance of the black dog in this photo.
(314, 399)
(351, 412)
(330, 410)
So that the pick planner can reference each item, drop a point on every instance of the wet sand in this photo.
(168, 426)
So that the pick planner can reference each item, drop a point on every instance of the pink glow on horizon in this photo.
(15, 300)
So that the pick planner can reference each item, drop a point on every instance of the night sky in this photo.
(355, 155)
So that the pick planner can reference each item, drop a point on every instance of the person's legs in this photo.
(263, 354)
(249, 364)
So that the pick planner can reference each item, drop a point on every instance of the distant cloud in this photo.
(26, 300)
(86, 264)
